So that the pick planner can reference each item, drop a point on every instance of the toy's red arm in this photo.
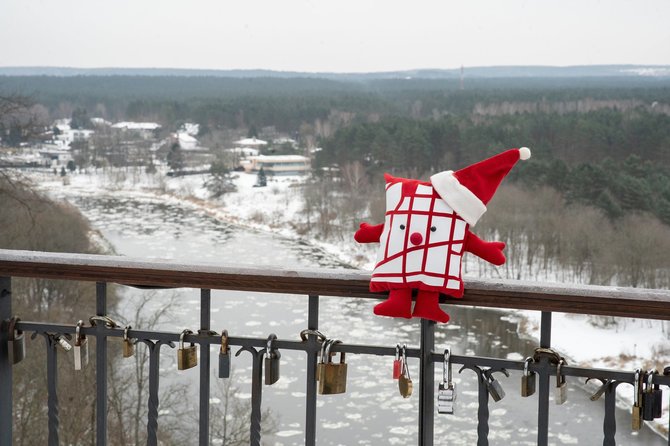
(489, 251)
(368, 233)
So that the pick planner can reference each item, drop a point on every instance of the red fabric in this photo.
(368, 233)
(489, 251)
(484, 177)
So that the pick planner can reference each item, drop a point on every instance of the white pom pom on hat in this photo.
(524, 153)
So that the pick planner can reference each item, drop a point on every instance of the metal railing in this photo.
(611, 301)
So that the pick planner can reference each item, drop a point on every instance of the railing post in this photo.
(426, 383)
(205, 321)
(101, 366)
(310, 399)
(5, 367)
(543, 391)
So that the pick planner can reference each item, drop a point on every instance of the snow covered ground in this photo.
(626, 344)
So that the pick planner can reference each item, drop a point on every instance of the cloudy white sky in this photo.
(337, 35)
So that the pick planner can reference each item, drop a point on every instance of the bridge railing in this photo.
(103, 270)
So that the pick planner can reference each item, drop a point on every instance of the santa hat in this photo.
(468, 190)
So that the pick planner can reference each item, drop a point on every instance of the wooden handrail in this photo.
(568, 298)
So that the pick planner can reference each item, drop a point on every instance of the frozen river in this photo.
(371, 412)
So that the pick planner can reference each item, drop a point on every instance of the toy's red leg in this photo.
(398, 304)
(427, 306)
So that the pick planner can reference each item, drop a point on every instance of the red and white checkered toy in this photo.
(426, 232)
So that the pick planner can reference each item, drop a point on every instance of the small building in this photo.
(251, 142)
(277, 164)
(146, 130)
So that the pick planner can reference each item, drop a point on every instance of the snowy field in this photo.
(627, 344)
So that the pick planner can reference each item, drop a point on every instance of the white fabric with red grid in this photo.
(422, 241)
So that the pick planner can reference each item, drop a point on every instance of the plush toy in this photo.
(426, 232)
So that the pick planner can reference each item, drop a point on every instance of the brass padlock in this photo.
(128, 345)
(224, 356)
(405, 385)
(80, 347)
(16, 342)
(187, 357)
(271, 362)
(334, 375)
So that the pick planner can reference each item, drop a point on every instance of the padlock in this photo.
(561, 390)
(271, 362)
(652, 399)
(334, 375)
(405, 385)
(16, 342)
(493, 385)
(187, 357)
(528, 379)
(636, 416)
(446, 392)
(128, 345)
(224, 356)
(397, 363)
(80, 348)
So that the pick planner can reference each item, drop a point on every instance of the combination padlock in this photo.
(187, 357)
(271, 362)
(224, 356)
(16, 342)
(446, 392)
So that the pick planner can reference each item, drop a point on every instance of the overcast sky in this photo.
(339, 36)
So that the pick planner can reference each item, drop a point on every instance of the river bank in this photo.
(626, 345)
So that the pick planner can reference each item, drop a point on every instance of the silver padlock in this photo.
(493, 385)
(16, 342)
(446, 392)
(561, 393)
(80, 348)
(528, 379)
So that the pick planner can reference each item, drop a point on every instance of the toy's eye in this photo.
(433, 229)
(402, 227)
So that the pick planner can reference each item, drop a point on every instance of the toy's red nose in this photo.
(416, 238)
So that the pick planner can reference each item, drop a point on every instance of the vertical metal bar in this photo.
(52, 395)
(482, 412)
(101, 367)
(152, 415)
(256, 399)
(426, 383)
(609, 423)
(205, 321)
(5, 367)
(545, 330)
(312, 347)
(543, 391)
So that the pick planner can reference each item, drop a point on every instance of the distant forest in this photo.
(601, 141)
